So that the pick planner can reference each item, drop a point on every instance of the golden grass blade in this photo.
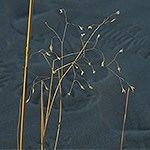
(18, 125)
(26, 74)
(124, 118)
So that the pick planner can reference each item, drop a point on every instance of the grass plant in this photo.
(60, 69)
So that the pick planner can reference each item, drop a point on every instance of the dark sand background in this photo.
(91, 119)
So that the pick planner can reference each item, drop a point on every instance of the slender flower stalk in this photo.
(42, 116)
(124, 118)
(60, 115)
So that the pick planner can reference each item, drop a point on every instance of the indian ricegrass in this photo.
(59, 73)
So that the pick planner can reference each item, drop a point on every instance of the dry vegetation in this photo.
(59, 70)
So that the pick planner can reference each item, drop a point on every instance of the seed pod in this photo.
(121, 51)
(90, 27)
(51, 47)
(123, 90)
(83, 34)
(117, 12)
(119, 69)
(90, 87)
(81, 28)
(103, 63)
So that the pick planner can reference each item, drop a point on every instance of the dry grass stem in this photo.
(124, 118)
(42, 115)
(25, 75)
(60, 115)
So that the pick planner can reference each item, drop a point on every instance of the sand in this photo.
(92, 119)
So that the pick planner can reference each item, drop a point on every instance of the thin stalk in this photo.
(50, 89)
(42, 117)
(18, 125)
(49, 96)
(62, 60)
(124, 118)
(26, 74)
(60, 68)
(62, 44)
(54, 96)
(60, 115)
